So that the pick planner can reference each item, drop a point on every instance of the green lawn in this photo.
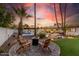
(69, 47)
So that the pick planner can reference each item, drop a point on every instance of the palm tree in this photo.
(63, 18)
(56, 16)
(61, 15)
(65, 7)
(21, 12)
(35, 19)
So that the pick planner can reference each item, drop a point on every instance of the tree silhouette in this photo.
(21, 12)
(56, 16)
(63, 18)
(5, 17)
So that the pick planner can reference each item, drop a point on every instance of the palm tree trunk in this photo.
(56, 16)
(61, 15)
(35, 19)
(20, 27)
(63, 18)
(65, 7)
(62, 21)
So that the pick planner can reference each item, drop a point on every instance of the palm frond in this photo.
(27, 16)
(15, 10)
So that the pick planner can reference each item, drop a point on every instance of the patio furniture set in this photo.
(33, 47)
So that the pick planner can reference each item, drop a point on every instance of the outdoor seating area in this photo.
(25, 47)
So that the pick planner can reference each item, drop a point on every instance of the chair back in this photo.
(46, 43)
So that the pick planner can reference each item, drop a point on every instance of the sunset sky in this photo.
(45, 13)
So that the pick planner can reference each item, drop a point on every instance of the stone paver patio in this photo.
(36, 51)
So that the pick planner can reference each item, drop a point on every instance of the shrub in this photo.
(2, 50)
(41, 35)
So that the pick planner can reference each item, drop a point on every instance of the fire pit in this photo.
(35, 41)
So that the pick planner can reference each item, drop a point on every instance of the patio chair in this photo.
(21, 40)
(45, 45)
(24, 45)
(23, 48)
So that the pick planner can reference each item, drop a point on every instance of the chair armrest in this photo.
(41, 44)
(27, 44)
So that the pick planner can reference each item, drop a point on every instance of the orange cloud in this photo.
(28, 4)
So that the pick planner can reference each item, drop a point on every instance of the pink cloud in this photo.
(42, 11)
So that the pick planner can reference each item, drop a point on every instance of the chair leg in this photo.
(19, 50)
(49, 49)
